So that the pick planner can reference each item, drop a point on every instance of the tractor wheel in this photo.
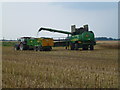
(72, 46)
(76, 46)
(16, 47)
(23, 47)
(91, 47)
(85, 47)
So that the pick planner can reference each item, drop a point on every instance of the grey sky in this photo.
(24, 19)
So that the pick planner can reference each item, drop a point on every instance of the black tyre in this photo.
(67, 45)
(91, 47)
(47, 49)
(85, 47)
(40, 48)
(76, 46)
(23, 47)
(50, 48)
(16, 47)
(72, 46)
(35, 48)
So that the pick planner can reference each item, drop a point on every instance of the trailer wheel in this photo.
(91, 47)
(50, 48)
(40, 48)
(35, 48)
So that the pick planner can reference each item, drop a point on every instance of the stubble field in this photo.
(61, 68)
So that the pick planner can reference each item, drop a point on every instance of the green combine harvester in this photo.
(77, 38)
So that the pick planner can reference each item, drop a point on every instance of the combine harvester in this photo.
(77, 38)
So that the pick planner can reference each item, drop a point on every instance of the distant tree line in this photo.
(97, 38)
(105, 38)
(7, 40)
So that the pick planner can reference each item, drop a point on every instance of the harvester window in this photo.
(22, 40)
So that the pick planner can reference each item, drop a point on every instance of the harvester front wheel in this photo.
(91, 47)
(72, 46)
(76, 46)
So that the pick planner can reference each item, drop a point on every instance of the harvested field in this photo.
(60, 68)
(109, 44)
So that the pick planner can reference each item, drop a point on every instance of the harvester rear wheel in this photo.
(85, 47)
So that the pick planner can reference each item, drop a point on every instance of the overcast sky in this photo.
(24, 19)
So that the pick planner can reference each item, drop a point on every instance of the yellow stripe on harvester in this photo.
(74, 40)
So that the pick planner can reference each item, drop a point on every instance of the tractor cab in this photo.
(24, 39)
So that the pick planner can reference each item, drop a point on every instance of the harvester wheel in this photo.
(85, 47)
(72, 46)
(76, 46)
(91, 47)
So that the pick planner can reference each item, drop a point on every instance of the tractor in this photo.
(37, 44)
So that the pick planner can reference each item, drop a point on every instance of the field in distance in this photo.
(61, 68)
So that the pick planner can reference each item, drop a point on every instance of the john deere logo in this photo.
(74, 39)
(87, 35)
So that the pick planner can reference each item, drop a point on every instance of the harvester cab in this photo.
(24, 39)
(76, 31)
